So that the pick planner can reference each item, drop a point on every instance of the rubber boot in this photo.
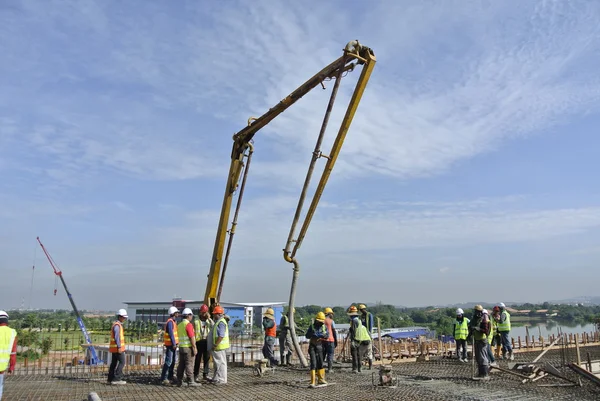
(313, 374)
(289, 359)
(321, 376)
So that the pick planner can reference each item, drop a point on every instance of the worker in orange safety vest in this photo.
(117, 349)
(270, 327)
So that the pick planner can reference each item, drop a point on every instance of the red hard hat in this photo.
(218, 310)
(203, 308)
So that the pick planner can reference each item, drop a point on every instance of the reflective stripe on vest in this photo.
(461, 330)
(224, 344)
(361, 334)
(112, 347)
(271, 331)
(329, 324)
(493, 328)
(202, 332)
(7, 339)
(504, 326)
(166, 336)
(184, 339)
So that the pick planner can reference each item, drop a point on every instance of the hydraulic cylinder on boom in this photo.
(93, 356)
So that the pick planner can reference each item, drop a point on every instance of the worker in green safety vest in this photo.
(461, 332)
(479, 328)
(219, 344)
(504, 330)
(187, 348)
(360, 340)
(8, 349)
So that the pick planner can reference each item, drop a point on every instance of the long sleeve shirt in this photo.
(171, 332)
(317, 332)
(117, 332)
(13, 354)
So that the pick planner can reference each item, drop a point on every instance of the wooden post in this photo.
(380, 345)
(519, 341)
(578, 354)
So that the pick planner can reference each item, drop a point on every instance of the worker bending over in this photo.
(360, 340)
(117, 349)
(202, 327)
(316, 334)
(170, 342)
(330, 343)
(8, 349)
(268, 323)
(187, 348)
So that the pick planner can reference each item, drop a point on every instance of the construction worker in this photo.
(285, 340)
(496, 339)
(117, 349)
(504, 330)
(330, 343)
(187, 348)
(461, 331)
(219, 344)
(367, 321)
(8, 349)
(170, 342)
(479, 328)
(360, 340)
(268, 323)
(202, 327)
(317, 334)
(490, 338)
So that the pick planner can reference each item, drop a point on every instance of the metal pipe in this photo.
(235, 218)
(292, 324)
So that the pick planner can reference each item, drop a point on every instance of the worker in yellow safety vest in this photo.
(187, 348)
(117, 349)
(360, 339)
(8, 349)
(219, 344)
(202, 327)
(461, 332)
(504, 330)
(490, 337)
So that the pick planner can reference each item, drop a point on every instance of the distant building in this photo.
(249, 313)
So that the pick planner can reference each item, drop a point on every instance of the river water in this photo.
(549, 327)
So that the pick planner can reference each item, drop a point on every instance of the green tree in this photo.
(46, 345)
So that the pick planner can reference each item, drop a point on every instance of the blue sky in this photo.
(469, 172)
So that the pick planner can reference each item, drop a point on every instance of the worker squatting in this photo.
(485, 332)
(194, 341)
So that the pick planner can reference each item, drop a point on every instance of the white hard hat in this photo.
(3, 314)
(501, 304)
(459, 311)
(172, 310)
(122, 312)
(187, 311)
(485, 311)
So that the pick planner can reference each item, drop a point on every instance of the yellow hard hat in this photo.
(478, 308)
(320, 317)
(362, 306)
(328, 310)
(269, 311)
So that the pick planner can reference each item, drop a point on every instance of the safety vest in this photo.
(329, 323)
(461, 330)
(361, 334)
(224, 344)
(493, 328)
(7, 339)
(202, 332)
(271, 331)
(112, 347)
(367, 322)
(284, 322)
(167, 337)
(478, 335)
(184, 339)
(504, 326)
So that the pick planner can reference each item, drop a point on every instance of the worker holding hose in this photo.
(317, 334)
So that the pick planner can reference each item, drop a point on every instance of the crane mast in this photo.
(94, 356)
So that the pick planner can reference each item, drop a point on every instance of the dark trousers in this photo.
(115, 372)
(461, 344)
(481, 355)
(315, 352)
(202, 356)
(186, 363)
(268, 350)
(328, 351)
(168, 368)
(358, 352)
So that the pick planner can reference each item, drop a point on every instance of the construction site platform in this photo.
(436, 379)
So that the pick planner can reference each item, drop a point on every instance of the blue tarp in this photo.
(407, 334)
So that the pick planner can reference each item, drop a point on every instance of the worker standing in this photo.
(117, 349)
(317, 334)
(504, 330)
(268, 323)
(202, 327)
(285, 340)
(461, 331)
(8, 349)
(496, 339)
(480, 329)
(367, 321)
(490, 338)
(360, 340)
(170, 342)
(187, 348)
(330, 343)
(219, 344)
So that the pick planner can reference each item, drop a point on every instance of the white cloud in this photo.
(444, 269)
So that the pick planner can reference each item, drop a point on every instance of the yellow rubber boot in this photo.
(313, 374)
(322, 376)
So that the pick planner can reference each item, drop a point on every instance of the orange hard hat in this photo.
(203, 308)
(218, 310)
